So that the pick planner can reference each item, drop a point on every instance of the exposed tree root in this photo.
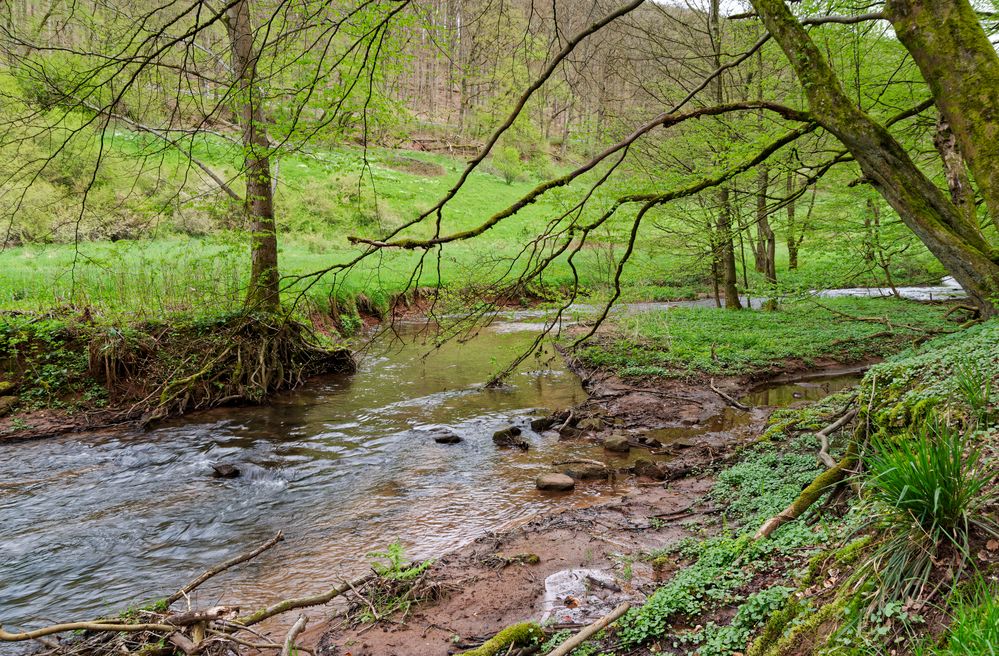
(152, 372)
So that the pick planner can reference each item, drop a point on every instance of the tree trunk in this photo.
(726, 252)
(766, 241)
(726, 248)
(961, 67)
(961, 191)
(263, 293)
(920, 204)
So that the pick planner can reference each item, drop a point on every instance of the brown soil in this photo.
(489, 592)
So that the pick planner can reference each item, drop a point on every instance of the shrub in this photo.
(929, 490)
(506, 161)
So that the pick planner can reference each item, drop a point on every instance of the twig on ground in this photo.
(296, 629)
(728, 399)
(581, 637)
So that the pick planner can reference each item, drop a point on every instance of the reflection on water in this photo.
(343, 466)
(804, 390)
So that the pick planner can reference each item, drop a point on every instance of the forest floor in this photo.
(499, 579)
(680, 551)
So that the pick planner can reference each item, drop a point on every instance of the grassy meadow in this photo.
(150, 251)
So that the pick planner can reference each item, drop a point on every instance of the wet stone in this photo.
(225, 471)
(542, 424)
(555, 482)
(510, 437)
(618, 443)
(446, 437)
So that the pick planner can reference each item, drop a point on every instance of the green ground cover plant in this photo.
(692, 341)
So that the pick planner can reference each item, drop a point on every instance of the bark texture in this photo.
(961, 68)
(924, 208)
(263, 293)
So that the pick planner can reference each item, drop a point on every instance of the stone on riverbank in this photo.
(590, 424)
(585, 471)
(7, 404)
(555, 482)
(618, 443)
(649, 469)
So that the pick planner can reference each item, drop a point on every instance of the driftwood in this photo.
(581, 637)
(303, 602)
(232, 562)
(293, 633)
(728, 399)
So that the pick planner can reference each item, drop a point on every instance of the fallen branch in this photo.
(296, 629)
(823, 482)
(507, 639)
(581, 637)
(81, 626)
(221, 567)
(302, 602)
(728, 399)
(826, 432)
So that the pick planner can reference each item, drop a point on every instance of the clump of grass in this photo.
(974, 627)
(929, 490)
(974, 386)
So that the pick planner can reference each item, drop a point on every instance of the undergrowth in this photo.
(685, 342)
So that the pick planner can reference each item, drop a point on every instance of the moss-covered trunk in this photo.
(924, 208)
(961, 68)
(263, 292)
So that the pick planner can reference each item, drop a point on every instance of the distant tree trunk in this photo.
(726, 252)
(922, 206)
(766, 241)
(726, 249)
(791, 237)
(263, 293)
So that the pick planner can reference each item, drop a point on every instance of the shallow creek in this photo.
(344, 466)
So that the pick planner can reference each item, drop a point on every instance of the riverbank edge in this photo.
(798, 603)
(68, 373)
(87, 376)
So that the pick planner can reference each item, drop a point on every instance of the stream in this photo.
(343, 465)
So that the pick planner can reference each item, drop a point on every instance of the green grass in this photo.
(683, 341)
(143, 249)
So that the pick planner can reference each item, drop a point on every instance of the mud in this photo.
(581, 547)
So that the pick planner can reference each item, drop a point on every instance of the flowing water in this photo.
(344, 466)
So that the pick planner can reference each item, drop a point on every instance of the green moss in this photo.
(524, 633)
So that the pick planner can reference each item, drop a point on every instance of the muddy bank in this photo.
(68, 373)
(570, 568)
